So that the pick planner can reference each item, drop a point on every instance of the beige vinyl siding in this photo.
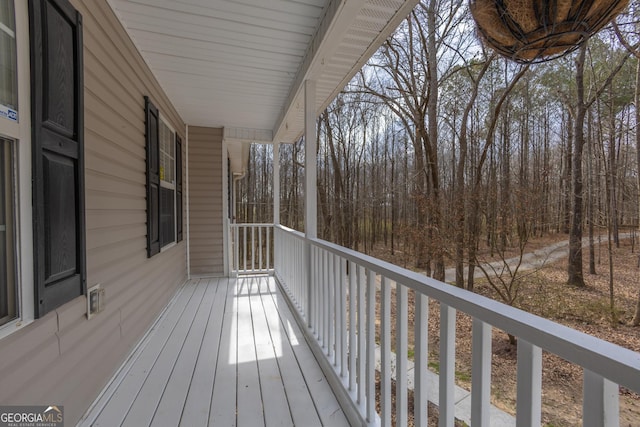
(205, 201)
(64, 358)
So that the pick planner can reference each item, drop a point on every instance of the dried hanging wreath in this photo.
(538, 30)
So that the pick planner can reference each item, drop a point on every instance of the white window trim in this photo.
(172, 186)
(21, 133)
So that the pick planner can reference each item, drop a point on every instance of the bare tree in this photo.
(634, 50)
(461, 198)
(575, 269)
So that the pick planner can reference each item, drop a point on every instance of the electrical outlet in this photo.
(95, 300)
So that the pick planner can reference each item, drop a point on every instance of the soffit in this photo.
(241, 64)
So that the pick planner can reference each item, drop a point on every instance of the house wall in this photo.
(63, 358)
(205, 201)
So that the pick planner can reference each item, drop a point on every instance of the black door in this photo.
(57, 141)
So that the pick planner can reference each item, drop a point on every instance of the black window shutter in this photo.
(152, 136)
(58, 157)
(167, 216)
(179, 188)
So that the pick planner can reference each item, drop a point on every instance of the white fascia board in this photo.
(338, 18)
(335, 21)
(236, 134)
(391, 26)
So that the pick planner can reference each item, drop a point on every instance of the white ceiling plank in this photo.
(209, 27)
(222, 87)
(263, 60)
(170, 62)
(224, 10)
(274, 7)
(224, 41)
(241, 63)
(247, 134)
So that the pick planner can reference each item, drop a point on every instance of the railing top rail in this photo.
(250, 224)
(295, 233)
(609, 360)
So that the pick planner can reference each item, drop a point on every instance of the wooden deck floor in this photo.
(226, 352)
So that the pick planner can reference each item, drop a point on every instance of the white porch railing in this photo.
(337, 299)
(251, 248)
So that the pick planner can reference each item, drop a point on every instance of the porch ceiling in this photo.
(241, 64)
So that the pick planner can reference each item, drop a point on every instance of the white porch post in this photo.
(276, 183)
(188, 203)
(310, 193)
(227, 241)
(310, 171)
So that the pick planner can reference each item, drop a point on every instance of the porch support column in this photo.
(310, 193)
(310, 164)
(276, 183)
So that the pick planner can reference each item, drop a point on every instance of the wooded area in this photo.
(438, 148)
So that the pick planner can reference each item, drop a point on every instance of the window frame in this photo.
(19, 133)
(8, 194)
(170, 185)
(12, 33)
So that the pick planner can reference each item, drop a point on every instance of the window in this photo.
(164, 182)
(167, 185)
(8, 286)
(16, 248)
(8, 63)
(8, 110)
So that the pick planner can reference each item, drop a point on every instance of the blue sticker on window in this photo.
(8, 113)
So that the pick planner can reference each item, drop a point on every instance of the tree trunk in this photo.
(432, 116)
(394, 208)
(590, 216)
(505, 184)
(574, 270)
(613, 168)
(636, 317)
(474, 212)
(566, 223)
(460, 184)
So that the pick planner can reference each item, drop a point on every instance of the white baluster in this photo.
(481, 374)
(529, 388)
(352, 326)
(421, 354)
(371, 345)
(600, 403)
(361, 335)
(401, 355)
(447, 365)
(385, 350)
(336, 310)
(343, 320)
(330, 307)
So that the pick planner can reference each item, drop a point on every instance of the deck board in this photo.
(123, 393)
(223, 400)
(249, 403)
(146, 403)
(303, 410)
(225, 352)
(324, 400)
(169, 409)
(198, 403)
(276, 406)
